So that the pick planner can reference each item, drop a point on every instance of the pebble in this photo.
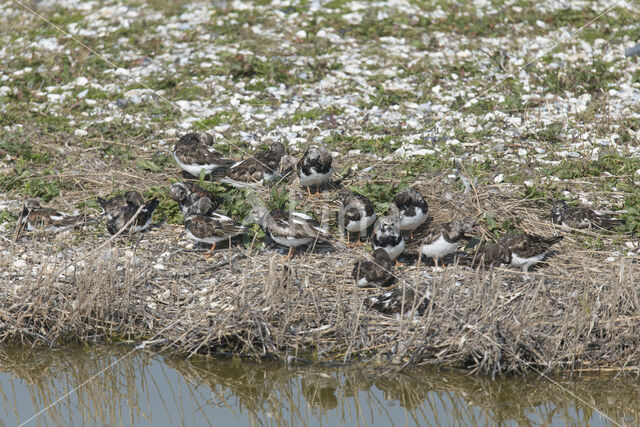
(20, 264)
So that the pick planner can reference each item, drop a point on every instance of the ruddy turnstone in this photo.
(399, 301)
(491, 253)
(253, 171)
(356, 214)
(314, 168)
(581, 217)
(206, 226)
(288, 228)
(527, 249)
(111, 207)
(443, 239)
(193, 153)
(187, 193)
(386, 235)
(118, 218)
(378, 271)
(35, 217)
(413, 209)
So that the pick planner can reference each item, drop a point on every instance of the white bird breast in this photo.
(439, 248)
(290, 241)
(194, 169)
(363, 224)
(412, 222)
(519, 261)
(393, 251)
(314, 178)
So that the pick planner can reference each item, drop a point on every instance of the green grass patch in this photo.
(26, 182)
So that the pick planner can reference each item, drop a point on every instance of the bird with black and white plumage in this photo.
(526, 250)
(581, 217)
(111, 207)
(413, 209)
(443, 239)
(288, 228)
(378, 271)
(255, 171)
(315, 168)
(356, 214)
(193, 153)
(119, 216)
(399, 301)
(188, 192)
(386, 235)
(204, 225)
(36, 217)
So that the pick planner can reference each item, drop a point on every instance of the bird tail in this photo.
(606, 221)
(102, 202)
(552, 240)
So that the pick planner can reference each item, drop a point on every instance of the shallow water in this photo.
(119, 386)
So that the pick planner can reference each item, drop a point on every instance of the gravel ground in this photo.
(505, 94)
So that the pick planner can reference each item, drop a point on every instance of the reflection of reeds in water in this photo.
(112, 396)
(272, 393)
(304, 395)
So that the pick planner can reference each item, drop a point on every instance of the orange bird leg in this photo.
(398, 264)
(289, 255)
(210, 253)
(349, 244)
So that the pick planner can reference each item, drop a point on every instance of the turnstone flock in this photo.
(252, 172)
(408, 211)
(119, 216)
(581, 217)
(527, 249)
(187, 193)
(288, 228)
(205, 225)
(35, 217)
(193, 153)
(378, 271)
(386, 235)
(443, 239)
(315, 168)
(357, 213)
(413, 209)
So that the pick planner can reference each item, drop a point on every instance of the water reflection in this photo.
(151, 389)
